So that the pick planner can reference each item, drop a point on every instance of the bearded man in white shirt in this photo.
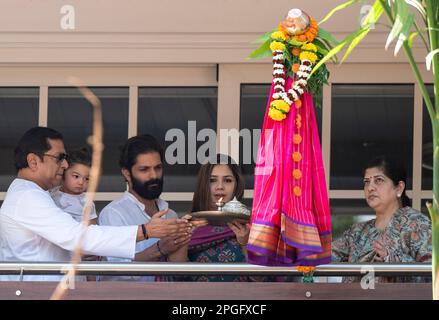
(141, 163)
(33, 228)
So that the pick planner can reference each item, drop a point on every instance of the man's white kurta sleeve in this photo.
(39, 214)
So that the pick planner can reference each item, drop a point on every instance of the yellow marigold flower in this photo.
(297, 156)
(306, 55)
(276, 115)
(297, 191)
(297, 138)
(276, 45)
(297, 174)
(278, 35)
(309, 47)
(280, 105)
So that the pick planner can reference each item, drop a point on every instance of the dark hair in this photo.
(35, 140)
(201, 200)
(79, 156)
(394, 170)
(138, 145)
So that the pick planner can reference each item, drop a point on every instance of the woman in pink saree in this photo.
(216, 244)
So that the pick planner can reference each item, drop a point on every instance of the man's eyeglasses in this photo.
(59, 158)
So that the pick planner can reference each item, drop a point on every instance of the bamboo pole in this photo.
(96, 142)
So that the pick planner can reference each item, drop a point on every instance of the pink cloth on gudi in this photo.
(289, 229)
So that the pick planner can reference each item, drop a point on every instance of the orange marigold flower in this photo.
(298, 124)
(297, 174)
(297, 191)
(313, 31)
(310, 37)
(297, 156)
(300, 38)
(281, 28)
(313, 22)
(295, 51)
(298, 117)
(298, 103)
(297, 138)
(305, 269)
(295, 67)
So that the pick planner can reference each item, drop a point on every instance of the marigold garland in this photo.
(306, 269)
(297, 174)
(297, 191)
(310, 33)
(279, 35)
(307, 57)
(307, 272)
(277, 46)
(297, 156)
(297, 138)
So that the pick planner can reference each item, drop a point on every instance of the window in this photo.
(18, 113)
(427, 145)
(180, 207)
(71, 114)
(368, 121)
(345, 212)
(183, 111)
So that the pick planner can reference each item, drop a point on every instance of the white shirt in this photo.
(72, 204)
(33, 228)
(128, 211)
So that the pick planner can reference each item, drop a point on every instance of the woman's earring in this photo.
(398, 195)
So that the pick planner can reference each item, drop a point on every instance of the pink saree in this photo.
(290, 229)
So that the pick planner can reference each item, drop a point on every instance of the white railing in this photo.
(168, 268)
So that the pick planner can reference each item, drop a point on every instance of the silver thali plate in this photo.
(220, 218)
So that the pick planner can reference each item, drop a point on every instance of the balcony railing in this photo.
(120, 290)
(168, 268)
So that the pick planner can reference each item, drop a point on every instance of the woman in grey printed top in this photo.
(398, 234)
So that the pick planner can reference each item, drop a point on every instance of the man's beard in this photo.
(151, 189)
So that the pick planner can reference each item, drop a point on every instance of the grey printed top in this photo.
(407, 238)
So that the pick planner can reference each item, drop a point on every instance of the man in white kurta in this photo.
(33, 228)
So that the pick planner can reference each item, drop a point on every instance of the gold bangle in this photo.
(242, 245)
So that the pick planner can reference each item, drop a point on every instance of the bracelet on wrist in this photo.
(242, 245)
(160, 251)
(145, 234)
